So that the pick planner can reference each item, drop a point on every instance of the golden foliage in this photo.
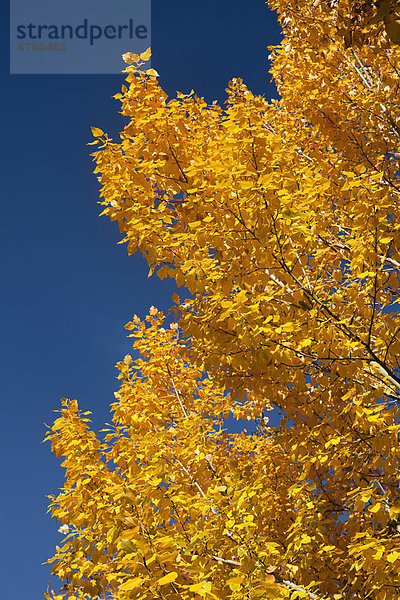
(168, 504)
(281, 218)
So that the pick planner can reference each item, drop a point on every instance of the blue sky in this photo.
(68, 289)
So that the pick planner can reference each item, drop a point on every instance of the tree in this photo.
(281, 218)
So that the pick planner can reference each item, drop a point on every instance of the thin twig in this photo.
(177, 395)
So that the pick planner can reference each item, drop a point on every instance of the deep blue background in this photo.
(67, 288)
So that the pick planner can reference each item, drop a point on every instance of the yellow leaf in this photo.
(237, 579)
(241, 297)
(130, 57)
(97, 132)
(235, 583)
(152, 73)
(168, 578)
(128, 359)
(127, 546)
(131, 584)
(146, 55)
(393, 556)
(201, 588)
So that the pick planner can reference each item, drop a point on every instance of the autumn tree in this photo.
(281, 219)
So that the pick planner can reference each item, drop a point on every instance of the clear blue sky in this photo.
(67, 288)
